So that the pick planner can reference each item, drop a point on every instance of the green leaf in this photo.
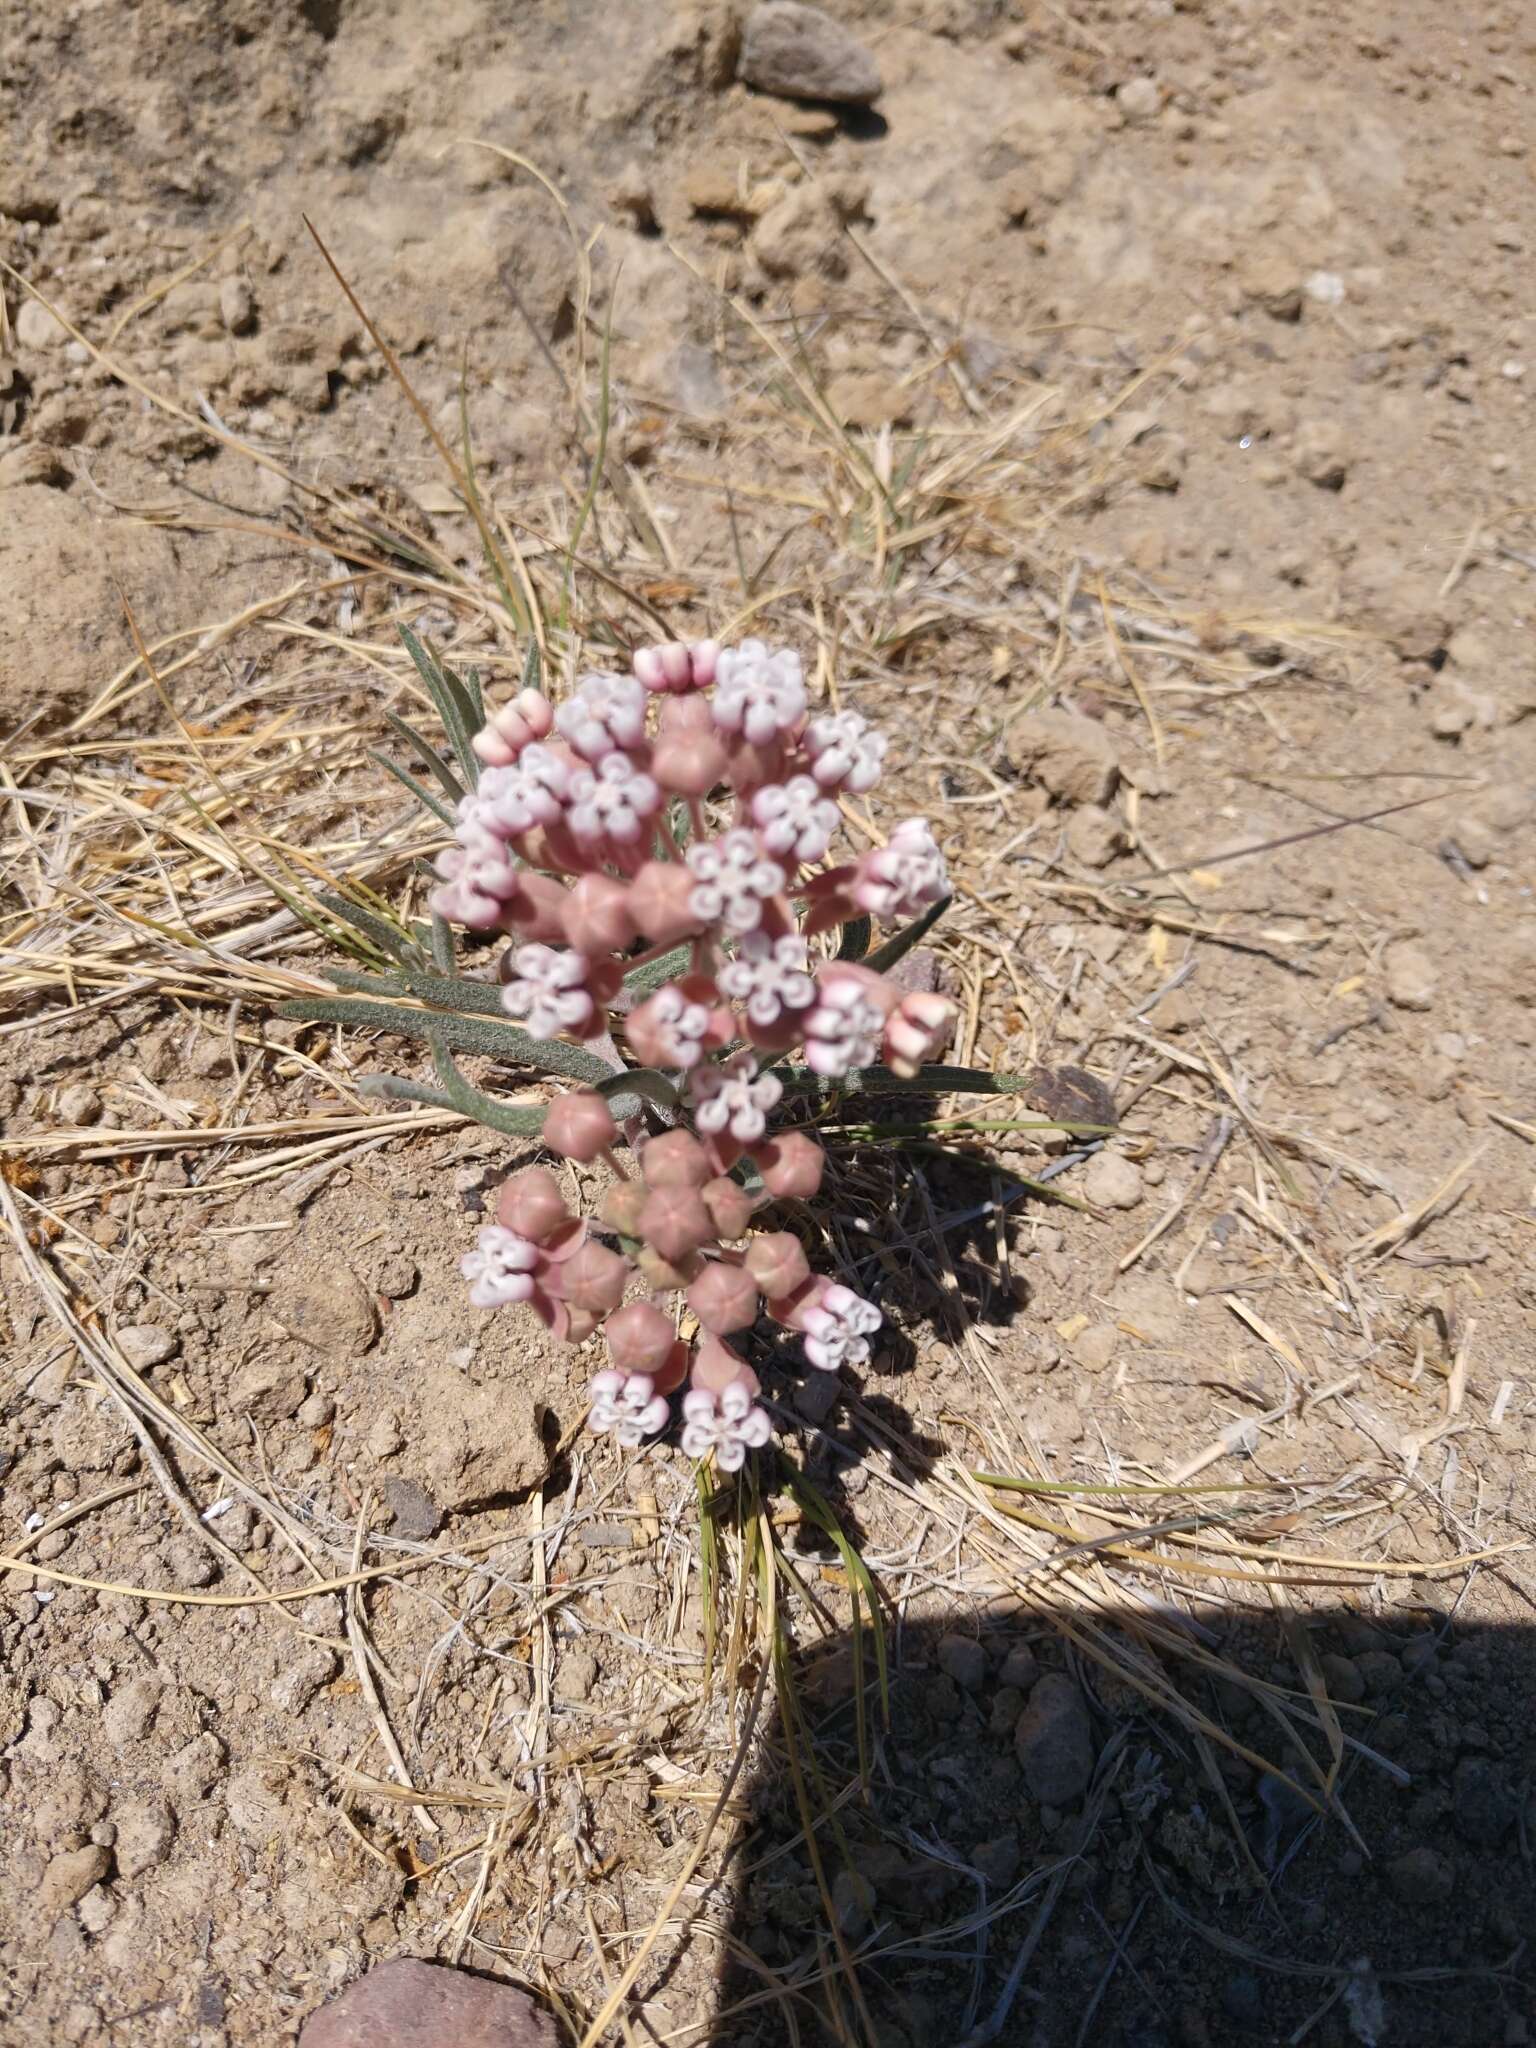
(424, 797)
(395, 942)
(427, 754)
(928, 1081)
(854, 943)
(442, 943)
(885, 956)
(533, 667)
(649, 1082)
(483, 1108)
(520, 1123)
(452, 707)
(468, 1034)
(644, 981)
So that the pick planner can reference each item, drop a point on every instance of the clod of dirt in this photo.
(1112, 1182)
(802, 236)
(145, 1345)
(192, 1773)
(1054, 1740)
(869, 398)
(267, 1389)
(1320, 454)
(1067, 754)
(69, 1877)
(965, 1661)
(127, 1715)
(409, 2004)
(416, 1515)
(1421, 1876)
(79, 1104)
(36, 327)
(331, 1311)
(299, 1681)
(1094, 836)
(237, 306)
(1412, 977)
(484, 1442)
(1482, 1806)
(1095, 1348)
(1139, 100)
(1070, 1095)
(806, 55)
(145, 1832)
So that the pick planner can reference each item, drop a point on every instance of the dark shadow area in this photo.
(1086, 1833)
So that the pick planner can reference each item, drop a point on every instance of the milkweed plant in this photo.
(689, 949)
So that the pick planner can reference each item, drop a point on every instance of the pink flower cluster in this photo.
(690, 805)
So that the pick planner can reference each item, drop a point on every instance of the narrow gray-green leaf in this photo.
(427, 754)
(520, 1123)
(396, 943)
(424, 797)
(854, 943)
(650, 1082)
(442, 944)
(885, 956)
(449, 706)
(928, 1081)
(644, 981)
(468, 1034)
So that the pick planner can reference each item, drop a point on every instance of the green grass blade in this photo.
(442, 944)
(427, 754)
(450, 707)
(517, 1123)
(644, 981)
(424, 797)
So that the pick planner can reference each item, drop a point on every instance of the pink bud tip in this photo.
(676, 1222)
(689, 763)
(596, 916)
(777, 1263)
(660, 902)
(703, 660)
(675, 1159)
(791, 1166)
(716, 1366)
(506, 732)
(593, 1279)
(915, 1030)
(640, 1338)
(531, 1204)
(579, 1125)
(729, 1204)
(724, 1299)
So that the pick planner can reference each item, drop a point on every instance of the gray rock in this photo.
(237, 306)
(145, 1832)
(146, 1344)
(1344, 1681)
(127, 1715)
(192, 1773)
(409, 2004)
(1380, 1670)
(803, 54)
(1020, 1667)
(1412, 977)
(575, 1675)
(416, 1515)
(1111, 1181)
(329, 1310)
(78, 1104)
(35, 327)
(997, 1860)
(1054, 1741)
(965, 1661)
(299, 1681)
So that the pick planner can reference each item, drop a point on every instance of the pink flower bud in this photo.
(791, 1166)
(531, 1204)
(660, 901)
(777, 1263)
(676, 1222)
(915, 1030)
(664, 669)
(716, 1366)
(686, 714)
(703, 660)
(689, 763)
(665, 1276)
(579, 1125)
(578, 1323)
(621, 1206)
(535, 911)
(729, 1204)
(597, 918)
(673, 1370)
(594, 1279)
(675, 1159)
(640, 1338)
(506, 732)
(723, 1298)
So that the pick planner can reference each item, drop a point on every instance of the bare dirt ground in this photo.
(1134, 412)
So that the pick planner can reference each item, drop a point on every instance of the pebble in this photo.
(1343, 1679)
(1094, 836)
(1139, 100)
(575, 1675)
(963, 1658)
(1320, 455)
(78, 1104)
(35, 327)
(330, 1310)
(69, 1877)
(146, 1344)
(267, 1389)
(131, 1709)
(1412, 977)
(409, 2004)
(416, 1514)
(298, 1683)
(804, 54)
(1054, 1741)
(1094, 1348)
(316, 1412)
(1421, 1877)
(1007, 1705)
(1071, 756)
(1380, 1670)
(1111, 1181)
(237, 305)
(145, 1832)
(1020, 1667)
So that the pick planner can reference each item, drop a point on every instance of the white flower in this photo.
(681, 1026)
(611, 800)
(607, 711)
(794, 818)
(903, 878)
(629, 1405)
(733, 1098)
(530, 791)
(500, 1268)
(733, 880)
(845, 752)
(478, 868)
(728, 1424)
(757, 693)
(549, 995)
(838, 1328)
(844, 1030)
(770, 976)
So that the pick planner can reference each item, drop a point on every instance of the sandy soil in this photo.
(1134, 411)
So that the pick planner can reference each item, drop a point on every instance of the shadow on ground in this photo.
(1053, 1855)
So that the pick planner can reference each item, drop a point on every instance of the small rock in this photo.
(997, 1860)
(804, 54)
(192, 1773)
(1482, 1807)
(1094, 1348)
(1380, 1671)
(188, 1561)
(853, 1902)
(1412, 977)
(1139, 100)
(146, 1344)
(869, 398)
(1054, 1741)
(410, 2004)
(963, 1658)
(330, 1310)
(1421, 1877)
(631, 193)
(237, 305)
(1343, 1679)
(1071, 756)
(128, 1713)
(802, 236)
(78, 1104)
(1320, 455)
(384, 1434)
(575, 1675)
(96, 1910)
(145, 1832)
(397, 1276)
(1020, 1667)
(70, 1875)
(1007, 1705)
(267, 1389)
(315, 1412)
(35, 327)
(416, 1515)
(299, 1681)
(1094, 836)
(1111, 1181)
